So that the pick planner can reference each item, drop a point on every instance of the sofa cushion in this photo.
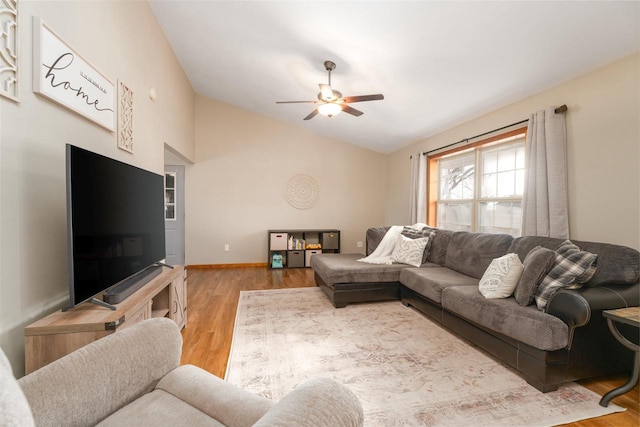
(471, 253)
(409, 250)
(501, 277)
(526, 324)
(438, 249)
(572, 267)
(159, 408)
(616, 264)
(14, 408)
(430, 281)
(374, 237)
(538, 262)
(345, 268)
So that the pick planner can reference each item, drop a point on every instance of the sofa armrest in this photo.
(87, 385)
(317, 402)
(575, 306)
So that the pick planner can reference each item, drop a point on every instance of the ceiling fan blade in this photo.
(296, 102)
(311, 114)
(351, 110)
(362, 98)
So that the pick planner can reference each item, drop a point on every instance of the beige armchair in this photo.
(133, 378)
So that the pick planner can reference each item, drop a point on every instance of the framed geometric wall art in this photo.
(125, 117)
(9, 79)
(64, 76)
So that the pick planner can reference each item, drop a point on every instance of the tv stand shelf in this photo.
(62, 332)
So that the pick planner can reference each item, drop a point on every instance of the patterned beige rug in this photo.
(405, 369)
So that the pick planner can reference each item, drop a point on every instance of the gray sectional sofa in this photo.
(567, 341)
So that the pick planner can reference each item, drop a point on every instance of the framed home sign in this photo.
(62, 75)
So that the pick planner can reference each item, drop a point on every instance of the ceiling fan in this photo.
(331, 102)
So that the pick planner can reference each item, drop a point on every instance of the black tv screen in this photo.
(115, 222)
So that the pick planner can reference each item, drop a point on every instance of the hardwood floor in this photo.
(213, 299)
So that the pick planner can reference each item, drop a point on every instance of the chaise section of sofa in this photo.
(345, 280)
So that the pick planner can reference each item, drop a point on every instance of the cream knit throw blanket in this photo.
(382, 254)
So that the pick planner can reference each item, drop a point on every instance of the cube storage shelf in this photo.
(294, 248)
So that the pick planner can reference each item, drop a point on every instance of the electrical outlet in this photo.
(226, 247)
(359, 244)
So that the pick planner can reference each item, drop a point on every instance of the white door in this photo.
(174, 214)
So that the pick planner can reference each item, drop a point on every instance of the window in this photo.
(479, 188)
(170, 195)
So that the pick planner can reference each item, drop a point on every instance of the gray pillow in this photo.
(412, 233)
(538, 262)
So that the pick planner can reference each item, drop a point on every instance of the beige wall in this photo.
(235, 190)
(33, 257)
(603, 143)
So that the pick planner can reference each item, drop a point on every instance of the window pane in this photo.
(520, 157)
(457, 177)
(500, 217)
(454, 216)
(170, 181)
(506, 159)
(489, 184)
(170, 212)
(169, 196)
(520, 182)
(506, 184)
(489, 162)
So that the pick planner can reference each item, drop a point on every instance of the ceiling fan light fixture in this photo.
(329, 109)
(326, 92)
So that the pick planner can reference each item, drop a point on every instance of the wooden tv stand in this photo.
(60, 333)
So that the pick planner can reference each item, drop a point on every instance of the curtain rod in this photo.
(560, 109)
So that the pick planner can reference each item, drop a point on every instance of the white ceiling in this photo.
(437, 63)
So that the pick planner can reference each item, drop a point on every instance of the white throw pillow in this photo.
(409, 251)
(502, 277)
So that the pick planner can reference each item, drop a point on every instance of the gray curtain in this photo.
(418, 189)
(545, 205)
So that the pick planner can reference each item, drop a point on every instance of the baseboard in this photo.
(207, 266)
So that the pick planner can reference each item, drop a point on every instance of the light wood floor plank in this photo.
(213, 300)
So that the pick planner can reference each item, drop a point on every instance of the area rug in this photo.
(405, 369)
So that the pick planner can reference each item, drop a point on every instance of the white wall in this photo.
(33, 251)
(603, 143)
(235, 190)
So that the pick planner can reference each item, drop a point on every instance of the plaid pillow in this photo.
(412, 233)
(572, 267)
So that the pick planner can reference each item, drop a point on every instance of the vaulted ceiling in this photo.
(437, 63)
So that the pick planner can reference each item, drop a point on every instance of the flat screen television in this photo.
(115, 227)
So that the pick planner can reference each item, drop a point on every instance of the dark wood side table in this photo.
(628, 316)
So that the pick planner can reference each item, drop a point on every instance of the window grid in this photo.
(496, 181)
(170, 196)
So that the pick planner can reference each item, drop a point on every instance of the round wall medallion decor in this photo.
(302, 191)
